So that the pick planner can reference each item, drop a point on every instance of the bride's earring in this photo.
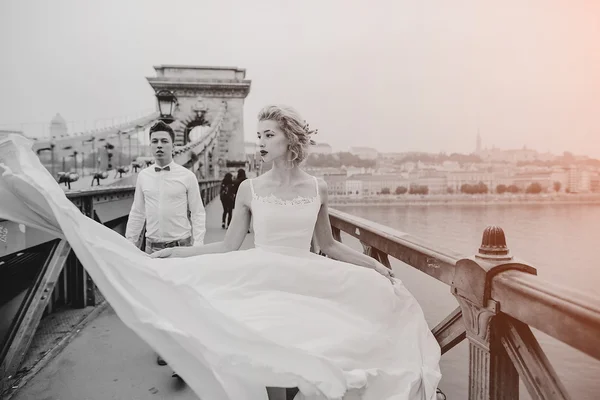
(290, 163)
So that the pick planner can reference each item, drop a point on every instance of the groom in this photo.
(167, 199)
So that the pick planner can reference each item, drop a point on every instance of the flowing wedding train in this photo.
(231, 324)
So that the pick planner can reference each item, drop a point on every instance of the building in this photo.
(578, 180)
(354, 187)
(456, 179)
(393, 156)
(513, 155)
(350, 170)
(523, 180)
(370, 185)
(595, 182)
(320, 148)
(436, 181)
(58, 127)
(320, 172)
(364, 153)
(336, 183)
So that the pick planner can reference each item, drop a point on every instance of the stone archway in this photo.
(200, 121)
(184, 125)
(212, 86)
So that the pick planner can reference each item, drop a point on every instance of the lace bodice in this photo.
(284, 224)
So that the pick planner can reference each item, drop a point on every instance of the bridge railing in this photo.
(88, 200)
(49, 276)
(500, 299)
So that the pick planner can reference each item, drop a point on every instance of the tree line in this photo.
(478, 188)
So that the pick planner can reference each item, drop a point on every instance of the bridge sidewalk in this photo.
(105, 360)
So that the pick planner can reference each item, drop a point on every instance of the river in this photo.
(559, 240)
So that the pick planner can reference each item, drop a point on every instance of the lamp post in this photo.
(52, 146)
(166, 105)
(109, 155)
(74, 155)
(64, 166)
(91, 140)
(98, 157)
(51, 150)
(128, 133)
(137, 139)
(119, 133)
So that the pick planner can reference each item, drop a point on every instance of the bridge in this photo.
(54, 320)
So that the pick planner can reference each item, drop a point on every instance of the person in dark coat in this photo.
(241, 177)
(227, 196)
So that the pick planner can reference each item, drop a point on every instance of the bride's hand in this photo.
(383, 270)
(172, 252)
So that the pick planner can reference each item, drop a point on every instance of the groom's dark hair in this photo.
(160, 126)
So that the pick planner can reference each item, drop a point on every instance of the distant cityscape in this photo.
(365, 172)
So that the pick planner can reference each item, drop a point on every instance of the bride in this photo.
(245, 324)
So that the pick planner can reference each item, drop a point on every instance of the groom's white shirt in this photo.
(170, 204)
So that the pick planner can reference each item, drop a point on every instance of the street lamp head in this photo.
(166, 105)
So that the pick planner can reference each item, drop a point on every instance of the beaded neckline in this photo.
(272, 199)
(298, 200)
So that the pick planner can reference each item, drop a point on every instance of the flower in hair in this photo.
(308, 131)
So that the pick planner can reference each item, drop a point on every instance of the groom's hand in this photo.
(173, 252)
(164, 253)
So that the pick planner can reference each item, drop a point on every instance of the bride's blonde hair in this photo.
(293, 126)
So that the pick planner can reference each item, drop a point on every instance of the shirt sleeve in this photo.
(197, 212)
(137, 214)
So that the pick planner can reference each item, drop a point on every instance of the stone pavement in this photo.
(107, 361)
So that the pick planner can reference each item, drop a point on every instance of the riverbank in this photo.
(463, 199)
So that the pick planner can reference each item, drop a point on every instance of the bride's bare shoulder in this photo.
(244, 192)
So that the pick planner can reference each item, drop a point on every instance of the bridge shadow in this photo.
(106, 360)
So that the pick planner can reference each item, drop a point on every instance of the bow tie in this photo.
(158, 169)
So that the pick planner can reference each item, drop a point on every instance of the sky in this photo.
(394, 75)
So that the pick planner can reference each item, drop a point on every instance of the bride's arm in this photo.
(335, 249)
(234, 237)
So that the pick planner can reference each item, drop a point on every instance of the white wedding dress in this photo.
(232, 324)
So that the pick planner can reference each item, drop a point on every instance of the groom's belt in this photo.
(174, 243)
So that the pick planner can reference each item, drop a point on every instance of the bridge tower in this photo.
(200, 92)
